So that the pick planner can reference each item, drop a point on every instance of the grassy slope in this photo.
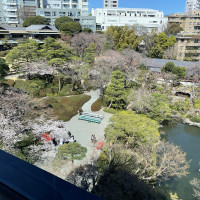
(97, 105)
(67, 107)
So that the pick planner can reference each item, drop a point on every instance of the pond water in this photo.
(188, 138)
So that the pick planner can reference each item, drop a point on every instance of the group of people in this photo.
(93, 139)
(71, 138)
(80, 111)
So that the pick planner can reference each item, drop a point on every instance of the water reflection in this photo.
(188, 138)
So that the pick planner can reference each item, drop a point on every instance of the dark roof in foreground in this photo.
(21, 180)
(159, 63)
(30, 28)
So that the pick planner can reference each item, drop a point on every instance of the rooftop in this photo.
(30, 28)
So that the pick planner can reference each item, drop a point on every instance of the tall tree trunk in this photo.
(109, 105)
(59, 84)
(73, 85)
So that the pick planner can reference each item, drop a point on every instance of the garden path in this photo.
(82, 131)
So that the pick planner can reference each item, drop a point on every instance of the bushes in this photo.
(33, 87)
(170, 67)
(195, 119)
(4, 53)
(22, 85)
(23, 148)
(111, 110)
(197, 103)
(96, 106)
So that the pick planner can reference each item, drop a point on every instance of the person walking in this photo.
(93, 139)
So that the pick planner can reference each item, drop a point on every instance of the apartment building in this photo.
(10, 10)
(76, 9)
(188, 47)
(82, 5)
(51, 9)
(147, 18)
(110, 3)
(189, 22)
(192, 5)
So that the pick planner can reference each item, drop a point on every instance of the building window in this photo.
(181, 47)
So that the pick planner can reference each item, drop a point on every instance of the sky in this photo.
(167, 6)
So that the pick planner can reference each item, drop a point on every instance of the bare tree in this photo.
(24, 12)
(169, 161)
(82, 41)
(171, 53)
(86, 176)
(195, 182)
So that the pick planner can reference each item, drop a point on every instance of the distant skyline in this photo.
(167, 6)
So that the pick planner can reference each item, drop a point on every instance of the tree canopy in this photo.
(4, 68)
(173, 28)
(70, 27)
(72, 151)
(34, 20)
(132, 128)
(61, 20)
(161, 42)
(24, 52)
(170, 67)
(124, 37)
(115, 91)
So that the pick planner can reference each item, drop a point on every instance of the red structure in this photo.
(99, 145)
(47, 137)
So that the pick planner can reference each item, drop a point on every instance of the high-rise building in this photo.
(51, 9)
(110, 3)
(192, 5)
(11, 11)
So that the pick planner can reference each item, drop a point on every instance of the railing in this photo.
(21, 180)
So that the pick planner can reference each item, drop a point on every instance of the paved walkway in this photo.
(82, 131)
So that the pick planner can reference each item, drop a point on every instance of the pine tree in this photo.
(115, 92)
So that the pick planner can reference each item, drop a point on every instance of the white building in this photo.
(66, 4)
(110, 3)
(51, 9)
(192, 5)
(147, 18)
(9, 9)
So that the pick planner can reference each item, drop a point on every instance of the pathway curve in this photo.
(82, 130)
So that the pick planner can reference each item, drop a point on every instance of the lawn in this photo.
(97, 105)
(67, 107)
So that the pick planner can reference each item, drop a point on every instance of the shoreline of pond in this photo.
(188, 138)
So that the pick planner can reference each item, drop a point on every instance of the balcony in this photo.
(192, 44)
(192, 51)
(21, 180)
(11, 9)
(11, 15)
(11, 2)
